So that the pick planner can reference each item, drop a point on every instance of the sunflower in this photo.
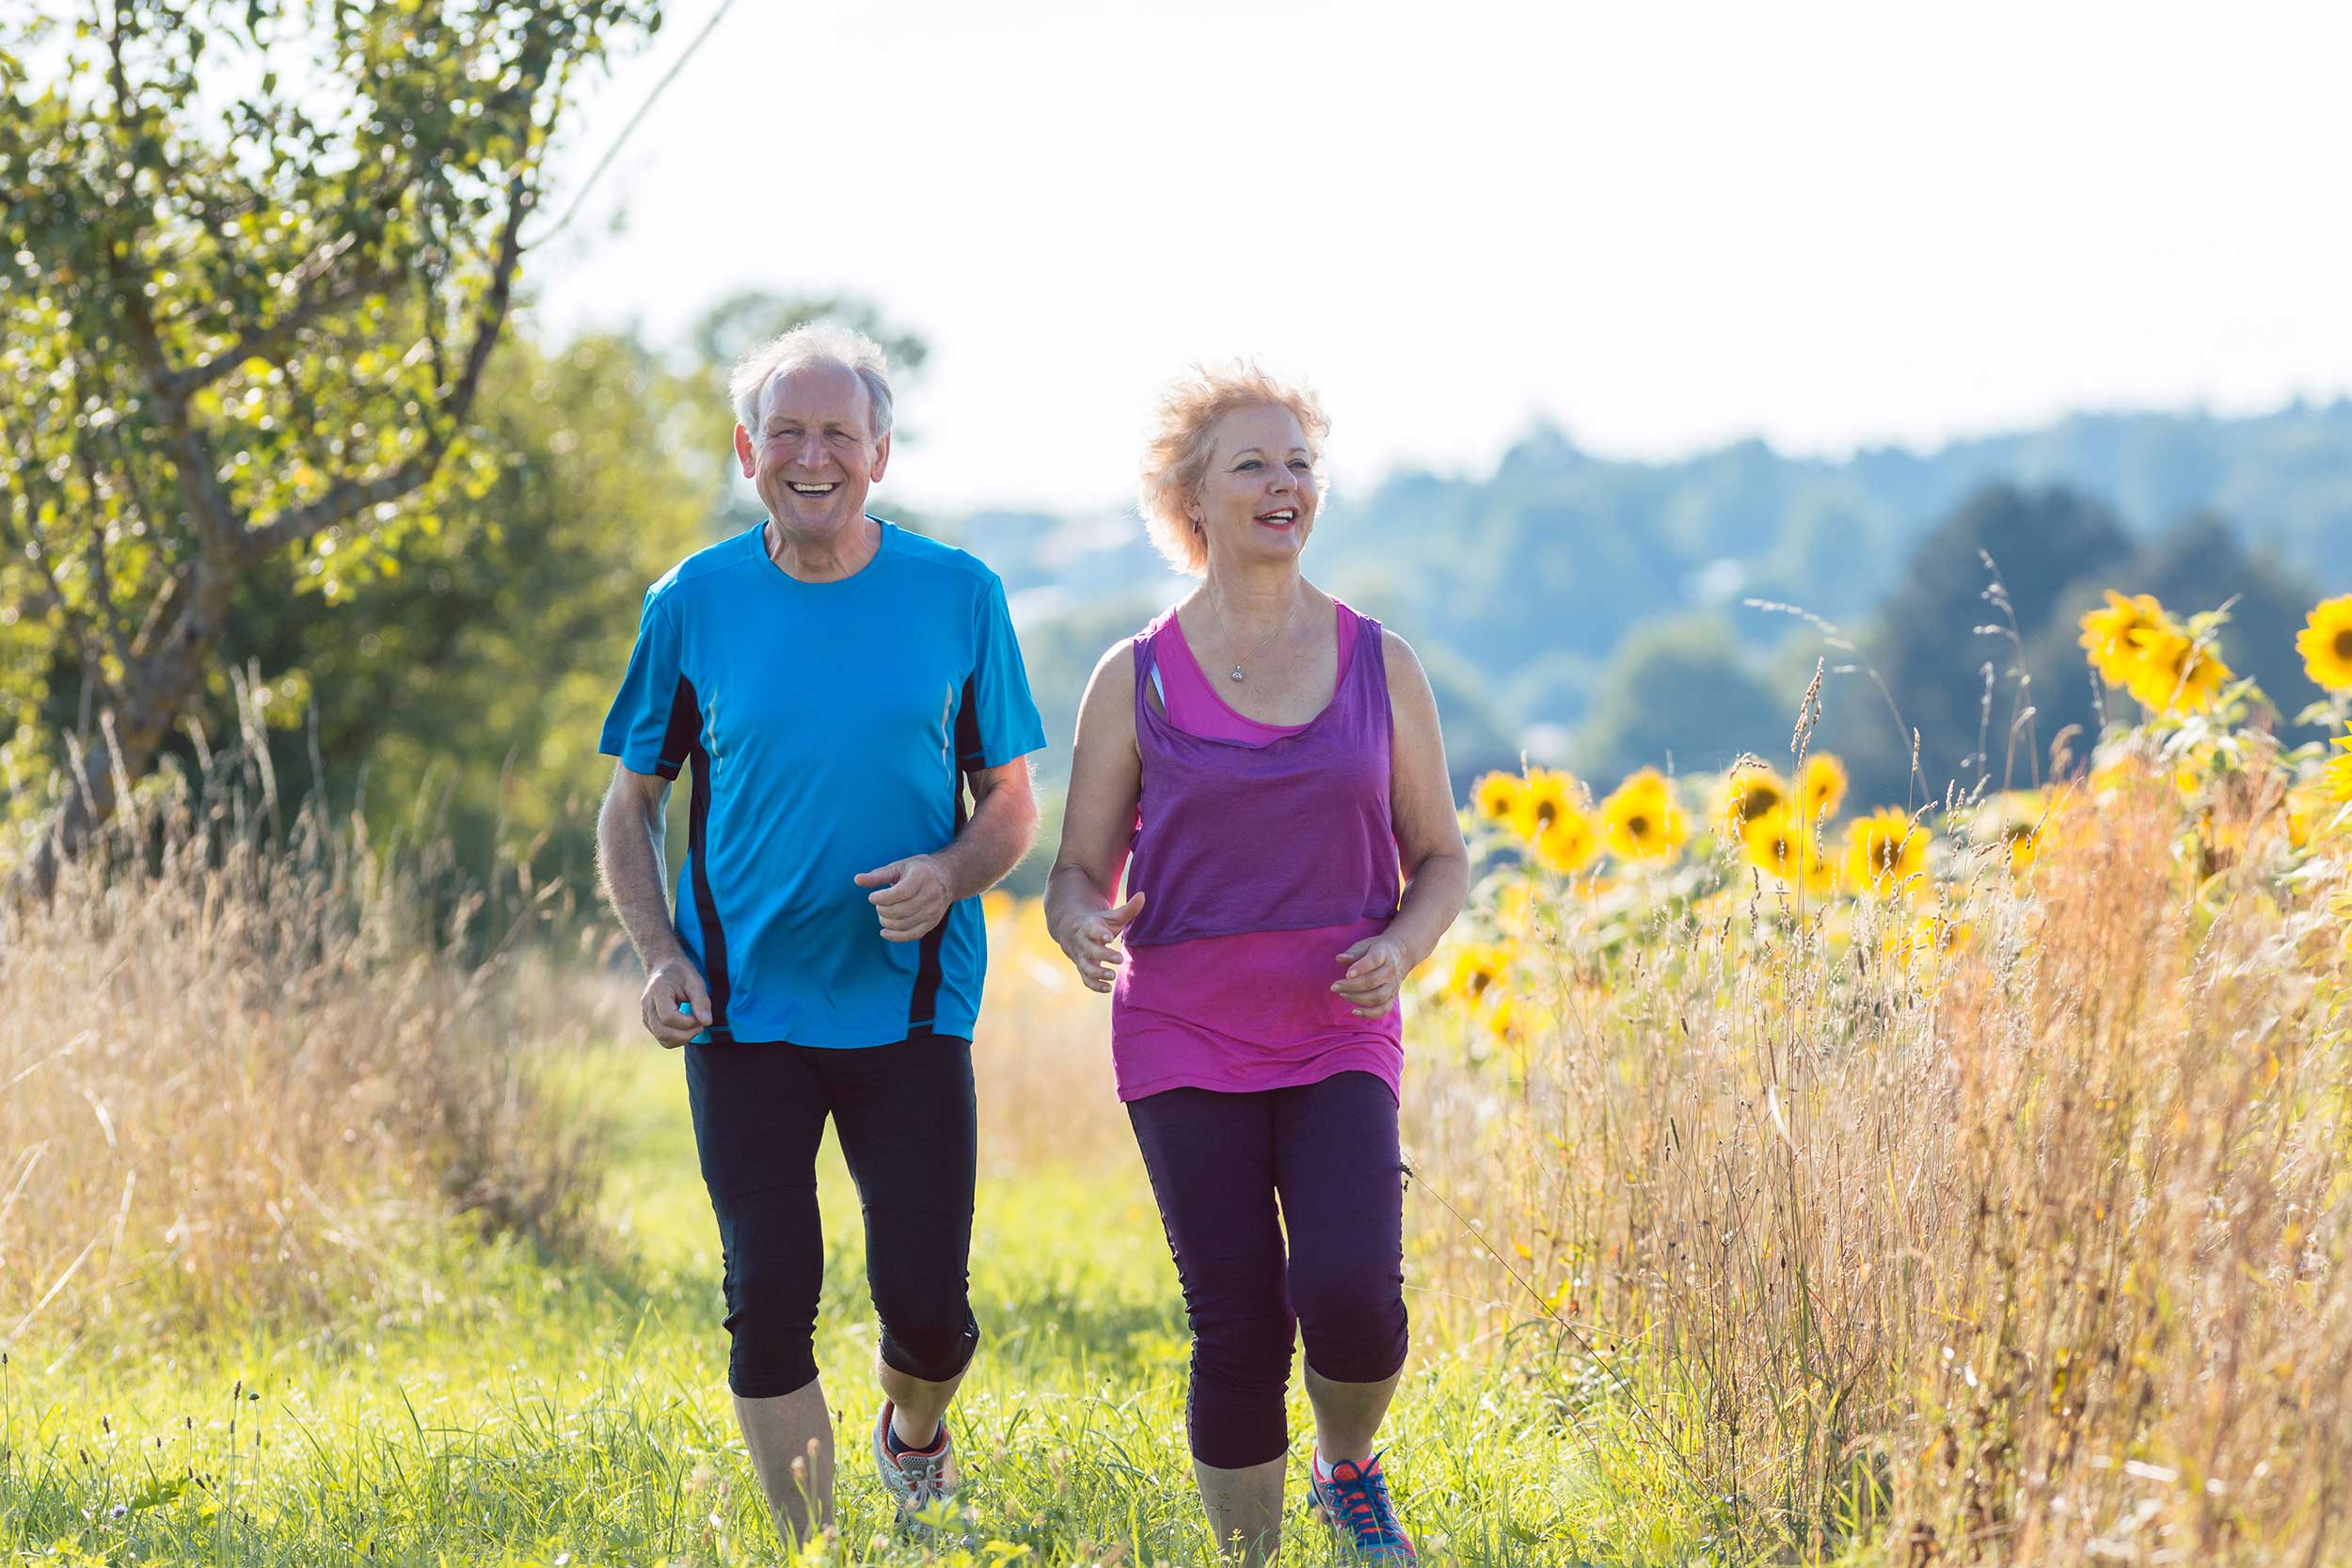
(1783, 845)
(1821, 788)
(2326, 643)
(1496, 797)
(1884, 852)
(1569, 843)
(2107, 634)
(2175, 672)
(1550, 796)
(1642, 821)
(1477, 969)
(1510, 1019)
(1751, 792)
(2337, 774)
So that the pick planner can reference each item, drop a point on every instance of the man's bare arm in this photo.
(914, 894)
(1003, 826)
(675, 1004)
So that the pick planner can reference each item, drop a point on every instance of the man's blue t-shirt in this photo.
(829, 725)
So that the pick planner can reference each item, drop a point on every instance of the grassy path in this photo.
(507, 1412)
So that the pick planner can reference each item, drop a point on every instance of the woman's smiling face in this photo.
(1257, 500)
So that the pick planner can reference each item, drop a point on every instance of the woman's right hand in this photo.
(1092, 942)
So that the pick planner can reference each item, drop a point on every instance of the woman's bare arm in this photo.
(1428, 841)
(1098, 823)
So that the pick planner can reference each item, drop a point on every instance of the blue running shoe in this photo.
(1353, 1501)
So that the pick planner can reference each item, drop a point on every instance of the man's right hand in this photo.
(677, 1005)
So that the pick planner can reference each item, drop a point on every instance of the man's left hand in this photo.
(911, 896)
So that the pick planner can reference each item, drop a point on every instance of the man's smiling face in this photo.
(813, 455)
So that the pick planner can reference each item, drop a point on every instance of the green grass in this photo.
(505, 1410)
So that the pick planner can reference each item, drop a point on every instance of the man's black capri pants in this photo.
(906, 1118)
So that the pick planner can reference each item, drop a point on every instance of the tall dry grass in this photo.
(2028, 1250)
(242, 1064)
(1041, 1059)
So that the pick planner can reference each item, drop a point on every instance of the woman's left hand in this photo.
(1376, 967)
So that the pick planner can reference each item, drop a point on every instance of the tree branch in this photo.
(218, 520)
(162, 608)
(272, 342)
(346, 497)
(108, 613)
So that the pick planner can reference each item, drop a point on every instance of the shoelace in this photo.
(923, 1475)
(1363, 1497)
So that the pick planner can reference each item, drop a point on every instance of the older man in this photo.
(835, 682)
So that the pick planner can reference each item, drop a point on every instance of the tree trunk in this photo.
(154, 692)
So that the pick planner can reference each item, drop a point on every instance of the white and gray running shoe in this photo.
(915, 1480)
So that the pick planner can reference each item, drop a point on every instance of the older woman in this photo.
(1271, 760)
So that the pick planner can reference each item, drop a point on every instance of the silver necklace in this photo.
(1235, 673)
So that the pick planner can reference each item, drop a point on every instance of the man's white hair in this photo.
(817, 343)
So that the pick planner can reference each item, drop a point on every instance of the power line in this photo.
(604, 162)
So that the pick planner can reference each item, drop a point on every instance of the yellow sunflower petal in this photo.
(1749, 794)
(1496, 795)
(1822, 789)
(1550, 794)
(2337, 775)
(2107, 634)
(1885, 851)
(1641, 820)
(1569, 843)
(2326, 643)
(2176, 673)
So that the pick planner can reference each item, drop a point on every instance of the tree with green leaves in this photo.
(259, 256)
(1680, 694)
(471, 686)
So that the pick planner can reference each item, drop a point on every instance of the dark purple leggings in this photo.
(1219, 1162)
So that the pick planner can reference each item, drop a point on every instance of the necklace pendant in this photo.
(1236, 672)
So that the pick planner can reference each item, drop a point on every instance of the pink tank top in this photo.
(1260, 870)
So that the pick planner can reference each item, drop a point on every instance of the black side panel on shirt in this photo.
(686, 727)
(697, 855)
(923, 1006)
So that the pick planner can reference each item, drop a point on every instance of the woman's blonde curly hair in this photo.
(1176, 458)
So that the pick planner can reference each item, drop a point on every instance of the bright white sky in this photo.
(1664, 226)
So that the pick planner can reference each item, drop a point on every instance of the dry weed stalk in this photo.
(2028, 1244)
(238, 1058)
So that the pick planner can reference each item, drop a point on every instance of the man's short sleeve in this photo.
(1001, 722)
(655, 720)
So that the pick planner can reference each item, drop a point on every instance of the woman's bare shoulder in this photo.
(1117, 659)
(1404, 664)
(1109, 701)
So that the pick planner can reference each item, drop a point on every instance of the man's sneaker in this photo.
(914, 1480)
(1353, 1499)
